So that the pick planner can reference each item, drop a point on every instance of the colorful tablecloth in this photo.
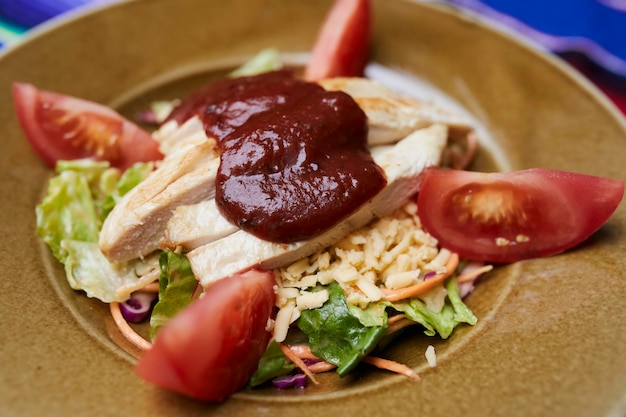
(589, 34)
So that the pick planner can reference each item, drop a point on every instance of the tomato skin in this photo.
(342, 45)
(212, 347)
(507, 217)
(61, 127)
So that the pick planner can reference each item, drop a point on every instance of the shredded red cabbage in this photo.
(297, 380)
(137, 308)
(429, 275)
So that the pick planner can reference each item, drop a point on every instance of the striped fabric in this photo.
(17, 16)
(590, 34)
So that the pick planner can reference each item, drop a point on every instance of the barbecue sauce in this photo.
(293, 157)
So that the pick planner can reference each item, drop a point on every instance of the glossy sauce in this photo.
(294, 159)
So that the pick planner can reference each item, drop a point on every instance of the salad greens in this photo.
(442, 322)
(69, 219)
(272, 364)
(343, 334)
(89, 270)
(68, 211)
(264, 61)
(338, 336)
(177, 286)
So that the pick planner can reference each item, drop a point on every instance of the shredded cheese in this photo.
(431, 356)
(391, 253)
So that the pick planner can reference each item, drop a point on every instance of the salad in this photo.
(132, 217)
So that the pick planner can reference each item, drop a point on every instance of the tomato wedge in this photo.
(506, 217)
(342, 45)
(61, 127)
(212, 347)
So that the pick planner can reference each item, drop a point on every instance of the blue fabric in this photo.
(596, 28)
(591, 19)
(30, 13)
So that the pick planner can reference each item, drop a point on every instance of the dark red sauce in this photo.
(294, 159)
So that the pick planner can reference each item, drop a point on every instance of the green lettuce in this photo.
(177, 286)
(343, 334)
(89, 270)
(129, 180)
(337, 335)
(67, 212)
(453, 313)
(266, 60)
(273, 363)
(70, 217)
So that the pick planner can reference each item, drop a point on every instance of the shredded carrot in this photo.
(320, 367)
(296, 353)
(471, 275)
(125, 328)
(303, 352)
(392, 366)
(399, 324)
(396, 318)
(424, 286)
(298, 362)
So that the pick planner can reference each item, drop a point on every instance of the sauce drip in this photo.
(294, 159)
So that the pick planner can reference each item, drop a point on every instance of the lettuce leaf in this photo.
(67, 212)
(462, 313)
(266, 60)
(442, 322)
(337, 335)
(89, 270)
(80, 197)
(129, 180)
(273, 363)
(69, 219)
(343, 334)
(177, 286)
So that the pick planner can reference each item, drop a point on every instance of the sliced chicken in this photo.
(403, 165)
(172, 136)
(195, 225)
(139, 223)
(192, 226)
(135, 226)
(390, 115)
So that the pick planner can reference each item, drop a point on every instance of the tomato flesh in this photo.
(61, 127)
(342, 45)
(212, 347)
(506, 217)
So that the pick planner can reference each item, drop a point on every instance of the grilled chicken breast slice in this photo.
(195, 225)
(403, 165)
(392, 116)
(192, 226)
(172, 136)
(135, 226)
(138, 225)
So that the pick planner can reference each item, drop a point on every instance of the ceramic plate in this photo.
(551, 335)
